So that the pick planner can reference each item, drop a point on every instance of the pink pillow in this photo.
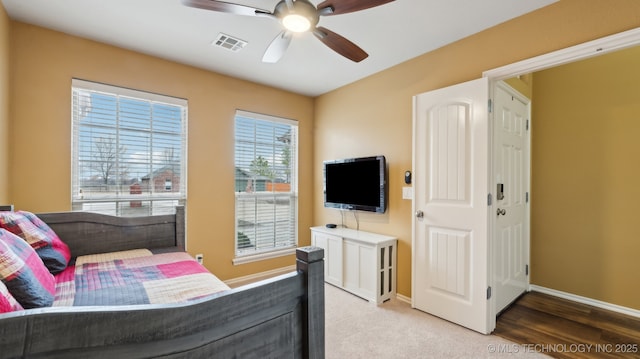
(56, 253)
(24, 273)
(7, 302)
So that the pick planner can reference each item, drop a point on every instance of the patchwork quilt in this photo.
(134, 277)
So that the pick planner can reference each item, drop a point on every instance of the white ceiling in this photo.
(390, 33)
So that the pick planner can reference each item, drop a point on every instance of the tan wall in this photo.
(373, 116)
(44, 62)
(4, 106)
(586, 131)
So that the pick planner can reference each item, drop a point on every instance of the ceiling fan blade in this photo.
(227, 7)
(346, 6)
(340, 45)
(278, 47)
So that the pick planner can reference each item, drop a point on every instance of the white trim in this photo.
(588, 301)
(127, 92)
(263, 256)
(263, 117)
(403, 298)
(574, 53)
(236, 282)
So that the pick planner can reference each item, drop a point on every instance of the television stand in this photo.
(359, 262)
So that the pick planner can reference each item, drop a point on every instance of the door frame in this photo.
(579, 52)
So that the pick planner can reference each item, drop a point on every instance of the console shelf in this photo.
(360, 262)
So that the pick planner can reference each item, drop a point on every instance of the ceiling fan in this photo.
(299, 16)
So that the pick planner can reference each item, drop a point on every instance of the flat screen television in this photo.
(356, 184)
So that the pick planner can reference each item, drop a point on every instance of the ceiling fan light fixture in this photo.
(298, 16)
(296, 23)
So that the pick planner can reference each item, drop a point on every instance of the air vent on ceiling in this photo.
(229, 42)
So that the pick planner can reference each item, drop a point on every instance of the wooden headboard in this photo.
(90, 233)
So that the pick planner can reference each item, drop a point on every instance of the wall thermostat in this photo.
(407, 177)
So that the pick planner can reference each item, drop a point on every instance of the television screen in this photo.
(356, 184)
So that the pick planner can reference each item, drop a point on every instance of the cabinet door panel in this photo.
(351, 268)
(360, 269)
(367, 271)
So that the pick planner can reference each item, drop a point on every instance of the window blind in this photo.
(265, 183)
(129, 150)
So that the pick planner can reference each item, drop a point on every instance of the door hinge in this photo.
(490, 105)
(526, 269)
(527, 125)
(488, 293)
(489, 199)
(526, 197)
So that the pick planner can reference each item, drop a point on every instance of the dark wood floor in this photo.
(568, 329)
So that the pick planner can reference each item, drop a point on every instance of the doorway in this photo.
(486, 275)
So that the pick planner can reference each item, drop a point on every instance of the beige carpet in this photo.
(356, 328)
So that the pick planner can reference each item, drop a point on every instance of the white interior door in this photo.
(511, 183)
(450, 226)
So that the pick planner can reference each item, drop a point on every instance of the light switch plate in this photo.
(407, 192)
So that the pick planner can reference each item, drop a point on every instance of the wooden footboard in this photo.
(281, 317)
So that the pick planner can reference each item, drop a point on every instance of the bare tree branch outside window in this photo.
(105, 159)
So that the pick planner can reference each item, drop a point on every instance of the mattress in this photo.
(134, 277)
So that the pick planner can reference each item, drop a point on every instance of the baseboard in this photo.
(584, 300)
(403, 298)
(236, 282)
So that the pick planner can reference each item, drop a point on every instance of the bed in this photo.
(282, 317)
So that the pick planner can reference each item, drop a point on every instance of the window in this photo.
(129, 150)
(266, 189)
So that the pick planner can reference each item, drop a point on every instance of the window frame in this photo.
(154, 198)
(241, 257)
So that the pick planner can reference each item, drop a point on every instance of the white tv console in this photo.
(360, 262)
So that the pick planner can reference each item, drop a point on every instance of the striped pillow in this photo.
(23, 273)
(7, 302)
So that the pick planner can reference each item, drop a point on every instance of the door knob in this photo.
(419, 214)
(502, 211)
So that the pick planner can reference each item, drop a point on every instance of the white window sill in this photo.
(263, 256)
